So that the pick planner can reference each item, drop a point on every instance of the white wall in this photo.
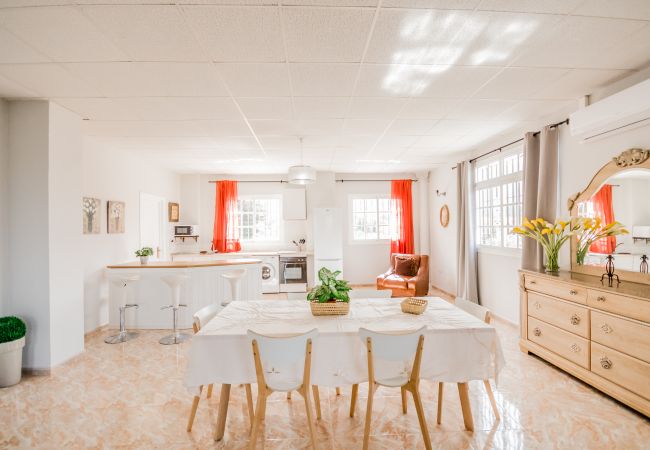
(121, 176)
(4, 202)
(443, 241)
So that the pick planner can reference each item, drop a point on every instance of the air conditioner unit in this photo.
(624, 110)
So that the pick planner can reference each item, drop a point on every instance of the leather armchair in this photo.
(403, 286)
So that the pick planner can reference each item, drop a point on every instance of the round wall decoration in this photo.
(444, 216)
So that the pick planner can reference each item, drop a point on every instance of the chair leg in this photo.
(310, 419)
(257, 422)
(353, 400)
(249, 401)
(403, 389)
(210, 386)
(314, 389)
(423, 422)
(366, 428)
(289, 395)
(195, 404)
(338, 390)
(439, 418)
(490, 394)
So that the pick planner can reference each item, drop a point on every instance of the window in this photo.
(371, 218)
(258, 218)
(499, 199)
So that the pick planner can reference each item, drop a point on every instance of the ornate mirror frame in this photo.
(633, 158)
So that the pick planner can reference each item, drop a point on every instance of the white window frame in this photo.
(280, 219)
(500, 181)
(351, 238)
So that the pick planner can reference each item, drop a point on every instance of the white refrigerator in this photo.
(328, 239)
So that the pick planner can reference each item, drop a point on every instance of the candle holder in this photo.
(609, 267)
(644, 264)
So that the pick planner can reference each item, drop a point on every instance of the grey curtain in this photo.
(540, 188)
(467, 269)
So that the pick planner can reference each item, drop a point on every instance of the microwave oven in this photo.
(186, 230)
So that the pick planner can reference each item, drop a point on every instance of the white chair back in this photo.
(370, 293)
(204, 315)
(393, 354)
(296, 296)
(478, 311)
(283, 358)
(122, 282)
(175, 282)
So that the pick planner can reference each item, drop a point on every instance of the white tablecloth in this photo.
(457, 347)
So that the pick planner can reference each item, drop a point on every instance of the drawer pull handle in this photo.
(606, 363)
(573, 292)
(537, 332)
(575, 348)
(575, 319)
(606, 328)
(600, 298)
(533, 282)
(537, 305)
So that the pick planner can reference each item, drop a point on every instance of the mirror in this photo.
(619, 192)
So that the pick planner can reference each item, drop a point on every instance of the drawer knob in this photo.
(575, 348)
(605, 362)
(537, 305)
(600, 298)
(573, 292)
(575, 319)
(533, 282)
(606, 328)
(537, 332)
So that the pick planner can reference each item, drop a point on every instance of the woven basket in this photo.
(412, 305)
(329, 308)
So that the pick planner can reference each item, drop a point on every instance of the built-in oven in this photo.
(293, 274)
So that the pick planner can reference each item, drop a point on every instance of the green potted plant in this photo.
(331, 296)
(12, 341)
(144, 253)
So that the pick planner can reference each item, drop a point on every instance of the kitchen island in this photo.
(204, 286)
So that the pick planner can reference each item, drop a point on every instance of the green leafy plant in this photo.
(11, 329)
(144, 251)
(330, 288)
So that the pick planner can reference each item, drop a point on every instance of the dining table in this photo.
(458, 347)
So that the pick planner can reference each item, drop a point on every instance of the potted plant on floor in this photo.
(12, 341)
(144, 253)
(330, 298)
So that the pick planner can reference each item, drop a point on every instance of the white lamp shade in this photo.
(302, 175)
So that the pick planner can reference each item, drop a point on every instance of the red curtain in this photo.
(402, 202)
(224, 237)
(603, 208)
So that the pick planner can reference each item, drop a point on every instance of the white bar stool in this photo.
(234, 277)
(122, 283)
(175, 282)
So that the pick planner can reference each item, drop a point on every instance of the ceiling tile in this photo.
(149, 79)
(320, 107)
(147, 33)
(398, 80)
(339, 3)
(296, 127)
(61, 33)
(411, 127)
(11, 89)
(531, 6)
(142, 128)
(428, 108)
(538, 109)
(394, 142)
(48, 80)
(13, 50)
(579, 82)
(632, 51)
(234, 34)
(235, 142)
(326, 34)
(224, 128)
(436, 141)
(323, 80)
(519, 82)
(256, 80)
(375, 108)
(98, 108)
(625, 9)
(368, 127)
(435, 4)
(14, 3)
(181, 108)
(458, 81)
(266, 107)
(480, 109)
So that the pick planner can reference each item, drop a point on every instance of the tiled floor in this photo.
(131, 396)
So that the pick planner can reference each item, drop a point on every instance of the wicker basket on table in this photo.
(412, 305)
(329, 308)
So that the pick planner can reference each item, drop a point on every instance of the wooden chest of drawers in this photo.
(597, 333)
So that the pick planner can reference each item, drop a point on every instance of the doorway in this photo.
(152, 225)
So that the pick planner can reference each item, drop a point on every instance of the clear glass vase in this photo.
(552, 261)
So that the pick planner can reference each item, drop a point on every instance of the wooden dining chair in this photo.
(394, 360)
(282, 364)
(200, 318)
(481, 313)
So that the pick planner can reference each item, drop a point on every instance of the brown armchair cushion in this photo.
(406, 266)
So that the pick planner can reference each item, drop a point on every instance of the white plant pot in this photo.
(144, 259)
(11, 362)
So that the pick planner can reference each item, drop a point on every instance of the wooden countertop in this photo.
(184, 264)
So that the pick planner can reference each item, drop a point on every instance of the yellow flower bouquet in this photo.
(551, 236)
(590, 230)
